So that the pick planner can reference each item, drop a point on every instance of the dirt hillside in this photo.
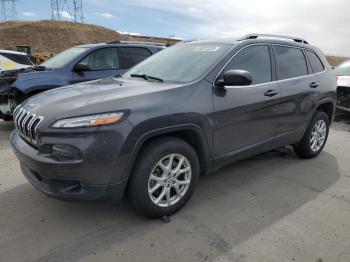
(48, 36)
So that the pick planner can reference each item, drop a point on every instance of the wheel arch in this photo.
(327, 106)
(190, 133)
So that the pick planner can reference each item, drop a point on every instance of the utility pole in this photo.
(8, 10)
(67, 9)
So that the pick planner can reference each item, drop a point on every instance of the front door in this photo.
(245, 116)
(102, 62)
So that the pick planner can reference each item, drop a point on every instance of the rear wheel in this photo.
(315, 137)
(164, 178)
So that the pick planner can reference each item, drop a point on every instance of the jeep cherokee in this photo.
(185, 111)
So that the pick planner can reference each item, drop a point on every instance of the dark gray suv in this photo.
(185, 111)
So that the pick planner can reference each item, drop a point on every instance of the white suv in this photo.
(10, 60)
(343, 72)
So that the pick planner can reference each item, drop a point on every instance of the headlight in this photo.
(89, 121)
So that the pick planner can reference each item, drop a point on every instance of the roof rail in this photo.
(255, 36)
(137, 42)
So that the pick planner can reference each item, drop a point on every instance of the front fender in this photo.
(136, 144)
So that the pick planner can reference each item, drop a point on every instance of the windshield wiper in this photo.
(147, 77)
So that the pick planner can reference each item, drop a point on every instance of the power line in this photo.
(67, 10)
(8, 10)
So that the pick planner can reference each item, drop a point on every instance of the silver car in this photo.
(343, 90)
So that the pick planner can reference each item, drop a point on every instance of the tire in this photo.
(154, 160)
(307, 148)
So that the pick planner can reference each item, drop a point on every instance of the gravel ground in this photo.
(273, 207)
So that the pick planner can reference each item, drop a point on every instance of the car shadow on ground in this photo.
(228, 207)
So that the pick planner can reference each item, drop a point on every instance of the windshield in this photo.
(344, 69)
(17, 58)
(180, 63)
(63, 58)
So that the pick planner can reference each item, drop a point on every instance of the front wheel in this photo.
(315, 137)
(164, 178)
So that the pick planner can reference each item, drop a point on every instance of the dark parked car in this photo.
(74, 65)
(185, 111)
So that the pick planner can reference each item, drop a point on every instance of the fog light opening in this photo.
(65, 152)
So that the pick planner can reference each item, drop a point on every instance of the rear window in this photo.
(19, 59)
(290, 62)
(130, 56)
(344, 69)
(316, 64)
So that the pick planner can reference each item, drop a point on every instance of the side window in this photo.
(254, 59)
(316, 64)
(103, 59)
(130, 56)
(290, 62)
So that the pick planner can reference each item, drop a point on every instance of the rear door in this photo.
(245, 116)
(298, 87)
(103, 63)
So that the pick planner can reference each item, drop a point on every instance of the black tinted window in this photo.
(254, 59)
(19, 59)
(315, 62)
(290, 62)
(130, 56)
(103, 59)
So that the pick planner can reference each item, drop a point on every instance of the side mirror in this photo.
(81, 67)
(235, 78)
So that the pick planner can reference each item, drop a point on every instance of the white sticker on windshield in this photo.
(206, 49)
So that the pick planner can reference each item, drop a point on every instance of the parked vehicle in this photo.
(75, 65)
(10, 60)
(343, 90)
(185, 111)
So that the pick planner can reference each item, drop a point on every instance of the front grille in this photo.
(27, 124)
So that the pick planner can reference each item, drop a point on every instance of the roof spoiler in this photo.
(256, 36)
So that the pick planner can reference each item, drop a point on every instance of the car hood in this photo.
(103, 95)
(31, 73)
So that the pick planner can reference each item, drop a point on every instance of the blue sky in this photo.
(322, 22)
(119, 15)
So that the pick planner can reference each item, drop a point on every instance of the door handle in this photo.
(314, 85)
(271, 93)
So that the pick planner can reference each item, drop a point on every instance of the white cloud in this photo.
(29, 14)
(128, 33)
(324, 23)
(65, 14)
(106, 15)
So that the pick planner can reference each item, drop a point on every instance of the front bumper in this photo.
(73, 190)
(94, 177)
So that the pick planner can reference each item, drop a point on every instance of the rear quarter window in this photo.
(290, 62)
(316, 64)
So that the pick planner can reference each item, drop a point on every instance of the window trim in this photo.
(274, 66)
(95, 50)
(236, 53)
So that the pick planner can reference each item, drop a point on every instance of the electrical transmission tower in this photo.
(67, 9)
(8, 10)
